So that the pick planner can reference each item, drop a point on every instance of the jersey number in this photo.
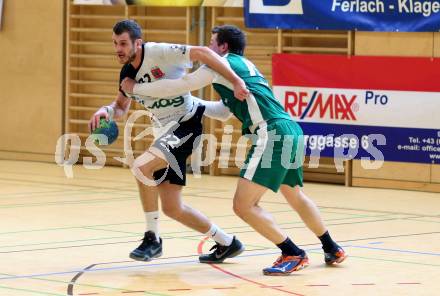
(146, 76)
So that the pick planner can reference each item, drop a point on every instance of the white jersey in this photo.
(162, 61)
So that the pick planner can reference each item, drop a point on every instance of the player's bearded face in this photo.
(132, 54)
(125, 48)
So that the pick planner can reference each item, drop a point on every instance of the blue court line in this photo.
(397, 250)
(129, 266)
(276, 251)
(93, 270)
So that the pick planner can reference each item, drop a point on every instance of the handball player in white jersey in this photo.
(177, 124)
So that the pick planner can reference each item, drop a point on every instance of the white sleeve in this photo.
(176, 54)
(173, 87)
(214, 109)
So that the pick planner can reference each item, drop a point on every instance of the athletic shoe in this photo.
(335, 257)
(149, 248)
(222, 252)
(287, 264)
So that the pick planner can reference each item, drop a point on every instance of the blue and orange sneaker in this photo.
(287, 264)
(335, 257)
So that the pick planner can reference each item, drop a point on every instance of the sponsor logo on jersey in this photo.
(157, 72)
(314, 104)
(181, 48)
(163, 103)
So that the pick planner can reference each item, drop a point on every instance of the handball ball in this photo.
(107, 128)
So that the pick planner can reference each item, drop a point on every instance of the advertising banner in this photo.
(362, 15)
(363, 106)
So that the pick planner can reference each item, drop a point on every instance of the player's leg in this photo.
(305, 207)
(298, 200)
(175, 146)
(173, 207)
(147, 164)
(227, 246)
(143, 168)
(309, 213)
(151, 245)
(149, 197)
(246, 199)
(263, 171)
(150, 169)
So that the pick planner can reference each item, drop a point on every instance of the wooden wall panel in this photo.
(395, 171)
(393, 44)
(396, 184)
(92, 69)
(435, 173)
(398, 175)
(31, 78)
(436, 50)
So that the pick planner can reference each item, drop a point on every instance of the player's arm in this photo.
(184, 55)
(215, 62)
(173, 87)
(215, 109)
(116, 110)
(170, 87)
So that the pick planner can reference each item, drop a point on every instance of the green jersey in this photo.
(261, 106)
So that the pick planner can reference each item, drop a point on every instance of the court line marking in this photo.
(261, 285)
(196, 195)
(136, 234)
(31, 291)
(309, 250)
(162, 220)
(168, 263)
(236, 232)
(73, 280)
(387, 260)
(87, 285)
(397, 250)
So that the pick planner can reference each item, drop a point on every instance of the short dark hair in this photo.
(131, 27)
(231, 35)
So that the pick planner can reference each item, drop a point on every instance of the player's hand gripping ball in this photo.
(106, 128)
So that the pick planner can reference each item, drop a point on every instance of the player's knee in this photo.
(172, 211)
(240, 209)
(293, 195)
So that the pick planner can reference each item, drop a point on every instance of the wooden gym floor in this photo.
(62, 236)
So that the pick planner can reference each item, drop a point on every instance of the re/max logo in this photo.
(276, 6)
(333, 106)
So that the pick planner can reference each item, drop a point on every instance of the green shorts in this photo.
(276, 155)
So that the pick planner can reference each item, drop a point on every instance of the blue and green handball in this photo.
(106, 128)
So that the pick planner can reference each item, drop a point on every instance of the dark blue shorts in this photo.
(177, 144)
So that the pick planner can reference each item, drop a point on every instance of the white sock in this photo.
(152, 222)
(221, 237)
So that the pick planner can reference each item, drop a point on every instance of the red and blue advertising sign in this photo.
(375, 107)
